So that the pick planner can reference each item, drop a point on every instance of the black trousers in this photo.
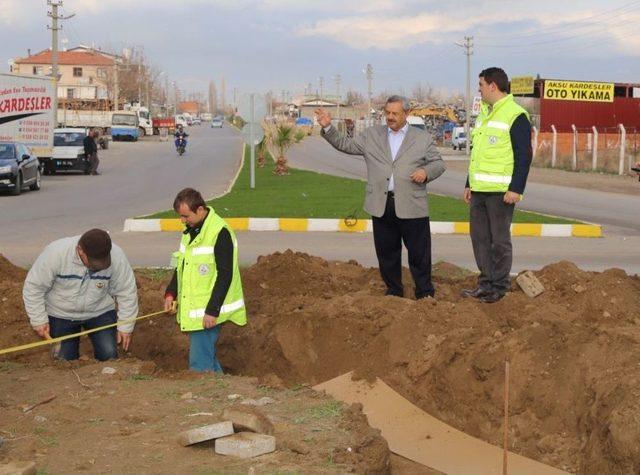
(389, 232)
(490, 221)
(94, 161)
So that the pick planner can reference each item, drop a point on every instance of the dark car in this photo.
(18, 168)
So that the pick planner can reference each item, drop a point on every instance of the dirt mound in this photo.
(10, 272)
(574, 367)
(572, 350)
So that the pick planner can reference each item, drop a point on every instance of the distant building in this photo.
(191, 107)
(85, 75)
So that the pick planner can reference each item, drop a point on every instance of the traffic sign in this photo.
(257, 133)
(259, 108)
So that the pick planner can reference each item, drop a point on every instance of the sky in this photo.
(286, 44)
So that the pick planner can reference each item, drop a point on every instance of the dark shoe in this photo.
(425, 295)
(475, 293)
(491, 297)
(394, 293)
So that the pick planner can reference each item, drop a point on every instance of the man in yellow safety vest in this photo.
(498, 170)
(206, 283)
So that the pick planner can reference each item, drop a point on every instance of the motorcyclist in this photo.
(181, 134)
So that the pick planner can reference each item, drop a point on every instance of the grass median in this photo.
(307, 194)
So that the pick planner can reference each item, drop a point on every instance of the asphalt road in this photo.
(141, 178)
(620, 214)
(136, 178)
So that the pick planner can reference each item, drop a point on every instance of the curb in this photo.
(362, 226)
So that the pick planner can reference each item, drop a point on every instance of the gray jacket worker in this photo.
(400, 161)
(74, 285)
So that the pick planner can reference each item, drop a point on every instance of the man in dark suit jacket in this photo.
(400, 161)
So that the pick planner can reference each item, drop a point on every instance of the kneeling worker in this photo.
(206, 283)
(74, 285)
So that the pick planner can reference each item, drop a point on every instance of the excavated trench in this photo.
(575, 368)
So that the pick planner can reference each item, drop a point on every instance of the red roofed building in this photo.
(191, 107)
(85, 74)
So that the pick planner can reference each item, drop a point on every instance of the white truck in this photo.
(90, 119)
(102, 120)
(144, 118)
(26, 112)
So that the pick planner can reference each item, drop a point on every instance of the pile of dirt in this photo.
(575, 371)
(574, 368)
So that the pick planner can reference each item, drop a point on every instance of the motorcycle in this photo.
(637, 170)
(181, 145)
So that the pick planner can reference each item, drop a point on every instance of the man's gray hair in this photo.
(396, 98)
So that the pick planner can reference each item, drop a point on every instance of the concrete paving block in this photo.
(204, 433)
(248, 418)
(246, 445)
(18, 468)
(530, 284)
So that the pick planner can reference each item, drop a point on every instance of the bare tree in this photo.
(213, 98)
(354, 97)
(422, 93)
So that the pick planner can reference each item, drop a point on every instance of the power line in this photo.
(593, 28)
(563, 27)
(521, 48)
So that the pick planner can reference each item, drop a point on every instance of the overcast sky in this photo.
(285, 44)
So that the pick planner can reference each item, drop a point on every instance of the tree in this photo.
(354, 97)
(422, 93)
(281, 137)
(213, 98)
(261, 150)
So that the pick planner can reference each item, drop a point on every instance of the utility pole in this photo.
(369, 73)
(338, 80)
(321, 81)
(468, 51)
(53, 14)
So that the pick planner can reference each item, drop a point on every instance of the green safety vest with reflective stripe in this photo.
(491, 165)
(197, 272)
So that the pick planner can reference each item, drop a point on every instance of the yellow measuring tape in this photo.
(51, 341)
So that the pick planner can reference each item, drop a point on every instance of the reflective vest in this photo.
(197, 272)
(491, 165)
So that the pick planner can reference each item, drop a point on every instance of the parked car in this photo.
(19, 167)
(196, 121)
(216, 122)
(68, 152)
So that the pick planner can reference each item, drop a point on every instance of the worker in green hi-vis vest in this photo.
(498, 171)
(206, 283)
